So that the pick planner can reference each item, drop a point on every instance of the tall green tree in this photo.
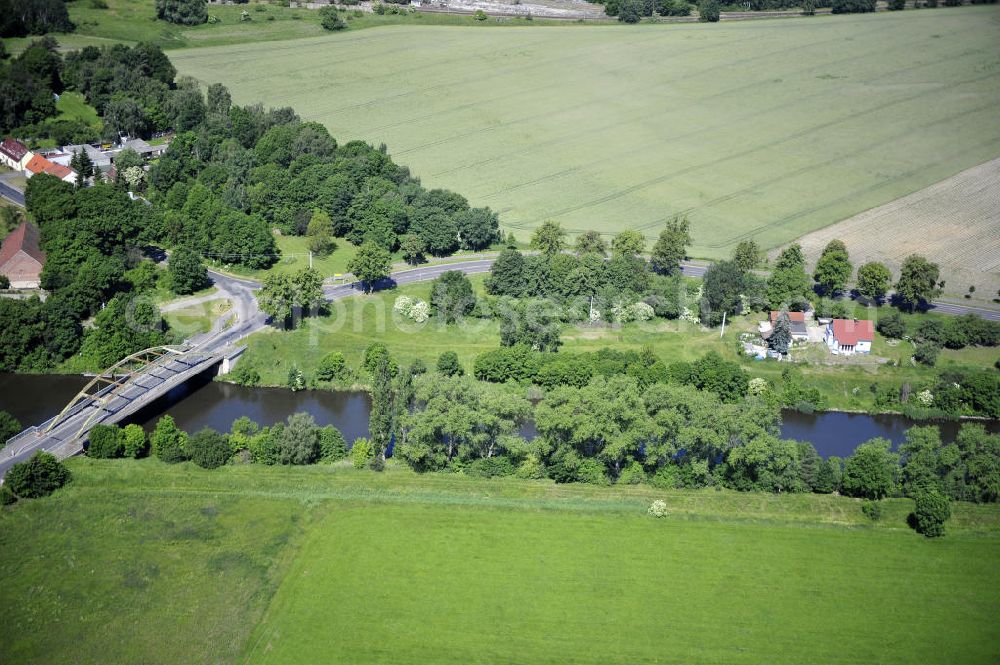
(721, 289)
(187, 272)
(167, 441)
(789, 286)
(781, 334)
(412, 248)
(479, 228)
(671, 247)
(452, 296)
(299, 440)
(320, 234)
(870, 472)
(371, 264)
(380, 419)
(873, 280)
(833, 269)
(508, 274)
(917, 283)
(549, 238)
(746, 255)
(590, 242)
(628, 243)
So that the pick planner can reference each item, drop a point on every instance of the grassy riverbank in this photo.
(144, 562)
(354, 323)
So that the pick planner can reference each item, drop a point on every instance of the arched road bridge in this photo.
(110, 397)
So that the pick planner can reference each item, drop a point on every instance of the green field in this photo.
(763, 129)
(144, 562)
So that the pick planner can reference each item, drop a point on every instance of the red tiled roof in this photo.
(59, 171)
(23, 238)
(848, 332)
(794, 317)
(37, 164)
(13, 149)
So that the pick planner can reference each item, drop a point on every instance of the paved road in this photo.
(12, 194)
(959, 310)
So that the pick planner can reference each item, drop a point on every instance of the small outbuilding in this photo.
(21, 257)
(850, 336)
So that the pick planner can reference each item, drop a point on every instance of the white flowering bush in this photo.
(757, 386)
(420, 311)
(925, 397)
(658, 509)
(692, 312)
(641, 311)
(595, 315)
(412, 308)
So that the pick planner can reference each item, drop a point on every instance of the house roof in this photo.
(22, 239)
(794, 317)
(138, 145)
(59, 171)
(13, 149)
(37, 164)
(849, 332)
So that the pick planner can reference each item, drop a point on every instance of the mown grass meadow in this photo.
(762, 129)
(144, 562)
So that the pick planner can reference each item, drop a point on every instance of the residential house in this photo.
(850, 336)
(39, 164)
(14, 154)
(21, 258)
(797, 321)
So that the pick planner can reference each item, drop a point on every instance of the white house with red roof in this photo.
(850, 336)
(14, 154)
(39, 164)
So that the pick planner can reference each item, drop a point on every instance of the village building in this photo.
(850, 336)
(21, 257)
(39, 164)
(14, 154)
(145, 150)
(797, 321)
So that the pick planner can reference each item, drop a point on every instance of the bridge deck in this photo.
(108, 406)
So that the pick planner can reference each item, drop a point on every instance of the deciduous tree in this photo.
(371, 264)
(917, 282)
(549, 238)
(873, 280)
(833, 269)
(671, 247)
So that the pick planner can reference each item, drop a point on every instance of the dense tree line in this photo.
(182, 12)
(27, 85)
(298, 440)
(94, 268)
(20, 18)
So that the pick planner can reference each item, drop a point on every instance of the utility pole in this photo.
(310, 259)
(723, 332)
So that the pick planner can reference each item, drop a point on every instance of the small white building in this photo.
(850, 336)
